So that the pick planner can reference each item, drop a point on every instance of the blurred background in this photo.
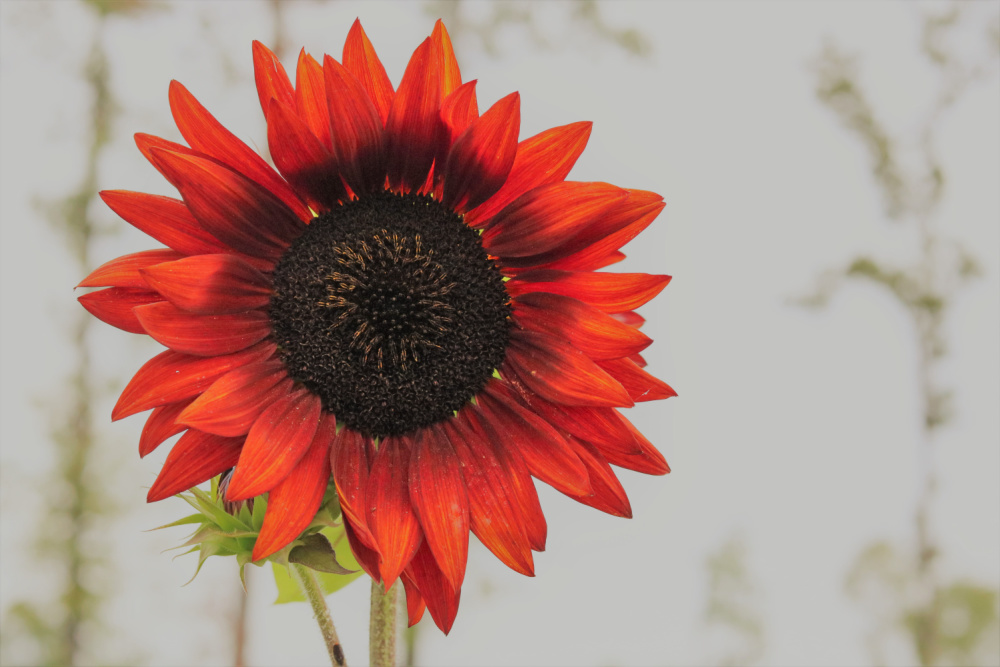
(831, 174)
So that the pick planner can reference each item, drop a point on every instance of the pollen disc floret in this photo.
(389, 310)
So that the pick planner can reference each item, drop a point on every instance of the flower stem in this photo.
(310, 586)
(382, 628)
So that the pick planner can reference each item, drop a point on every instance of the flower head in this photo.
(410, 305)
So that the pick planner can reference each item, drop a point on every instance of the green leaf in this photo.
(317, 553)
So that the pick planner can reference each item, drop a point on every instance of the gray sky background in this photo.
(793, 429)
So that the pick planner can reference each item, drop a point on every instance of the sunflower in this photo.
(411, 308)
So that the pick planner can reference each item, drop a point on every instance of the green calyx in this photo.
(322, 546)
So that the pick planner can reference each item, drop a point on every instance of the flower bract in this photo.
(409, 306)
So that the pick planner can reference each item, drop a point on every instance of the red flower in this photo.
(412, 306)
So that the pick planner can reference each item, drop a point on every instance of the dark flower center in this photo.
(390, 311)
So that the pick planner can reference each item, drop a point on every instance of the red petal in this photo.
(639, 384)
(171, 376)
(543, 218)
(302, 159)
(599, 426)
(361, 60)
(349, 463)
(293, 503)
(608, 495)
(204, 133)
(202, 335)
(543, 449)
(234, 402)
(161, 424)
(115, 306)
(611, 292)
(166, 220)
(366, 556)
(482, 156)
(356, 127)
(631, 318)
(458, 110)
(271, 79)
(276, 442)
(441, 598)
(648, 460)
(210, 284)
(593, 332)
(124, 271)
(495, 515)
(414, 601)
(197, 457)
(595, 244)
(233, 209)
(544, 158)
(390, 514)
(310, 99)
(561, 374)
(521, 485)
(413, 125)
(438, 496)
(443, 56)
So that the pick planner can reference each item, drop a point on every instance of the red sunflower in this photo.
(411, 307)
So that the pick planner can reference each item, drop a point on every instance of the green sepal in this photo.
(322, 547)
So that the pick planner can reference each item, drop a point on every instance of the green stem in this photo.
(382, 628)
(310, 586)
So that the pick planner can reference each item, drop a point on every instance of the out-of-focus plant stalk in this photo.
(925, 290)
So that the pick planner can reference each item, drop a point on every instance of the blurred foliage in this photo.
(961, 616)
(732, 612)
(945, 623)
(60, 631)
(486, 21)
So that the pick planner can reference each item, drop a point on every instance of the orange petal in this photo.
(171, 376)
(271, 79)
(124, 271)
(482, 156)
(116, 306)
(438, 496)
(166, 220)
(233, 209)
(560, 373)
(544, 158)
(310, 99)
(234, 402)
(357, 129)
(204, 133)
(611, 292)
(361, 60)
(639, 384)
(161, 424)
(293, 503)
(202, 335)
(210, 284)
(197, 457)
(495, 515)
(276, 442)
(588, 329)
(413, 125)
(391, 518)
(302, 159)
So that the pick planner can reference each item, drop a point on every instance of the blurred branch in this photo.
(584, 15)
(75, 498)
(910, 596)
(732, 609)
